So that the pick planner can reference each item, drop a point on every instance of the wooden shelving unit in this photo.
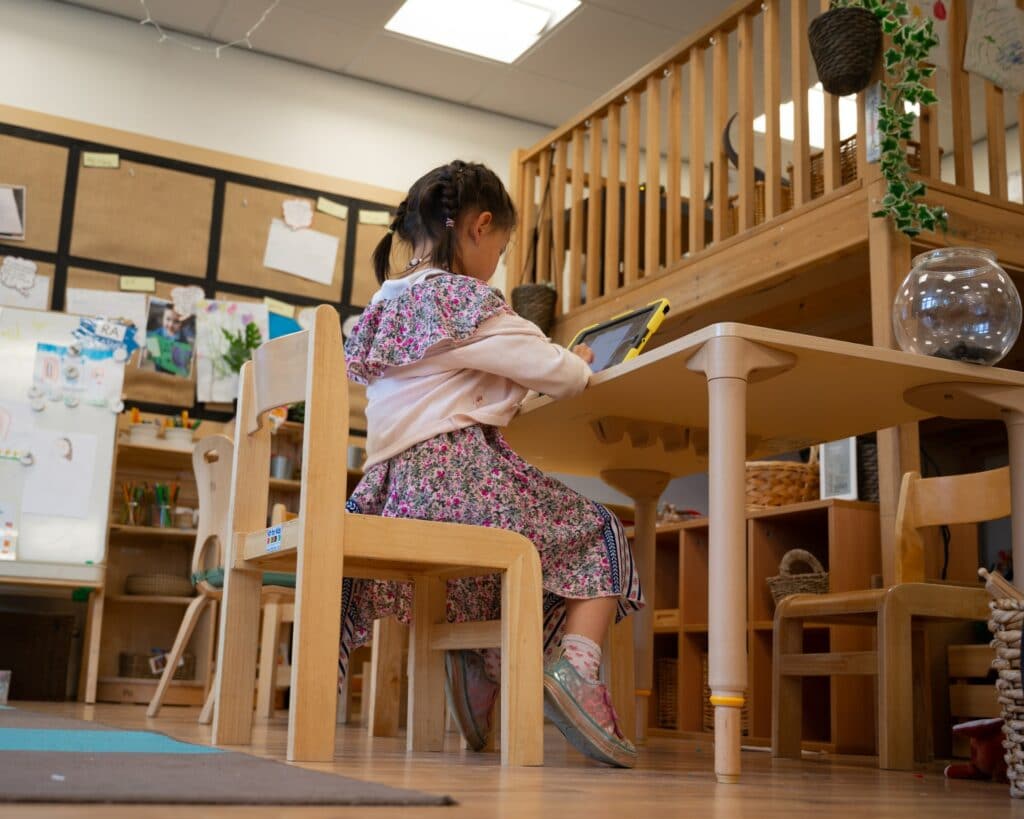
(844, 536)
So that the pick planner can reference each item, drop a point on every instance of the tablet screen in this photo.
(612, 341)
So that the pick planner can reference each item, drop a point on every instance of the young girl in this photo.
(447, 363)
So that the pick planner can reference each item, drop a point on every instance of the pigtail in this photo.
(450, 200)
(382, 253)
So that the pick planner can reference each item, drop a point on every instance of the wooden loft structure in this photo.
(783, 235)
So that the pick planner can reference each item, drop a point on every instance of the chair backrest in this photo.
(211, 463)
(306, 366)
(949, 500)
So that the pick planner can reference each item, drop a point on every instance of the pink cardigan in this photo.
(481, 380)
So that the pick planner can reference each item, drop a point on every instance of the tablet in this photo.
(622, 337)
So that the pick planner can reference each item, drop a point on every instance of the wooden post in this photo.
(772, 85)
(696, 161)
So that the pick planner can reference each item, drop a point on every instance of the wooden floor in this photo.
(674, 779)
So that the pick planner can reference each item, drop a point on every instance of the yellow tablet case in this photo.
(659, 309)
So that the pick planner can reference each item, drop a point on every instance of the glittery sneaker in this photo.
(470, 695)
(583, 712)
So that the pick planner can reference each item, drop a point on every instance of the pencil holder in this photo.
(161, 513)
(179, 437)
(130, 514)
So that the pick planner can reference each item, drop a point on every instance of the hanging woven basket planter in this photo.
(845, 44)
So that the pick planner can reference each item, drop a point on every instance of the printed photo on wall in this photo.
(12, 212)
(170, 339)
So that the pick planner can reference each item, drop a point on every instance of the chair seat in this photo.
(215, 577)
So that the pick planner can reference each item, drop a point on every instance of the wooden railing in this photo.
(640, 182)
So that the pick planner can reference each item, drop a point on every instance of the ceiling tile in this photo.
(426, 69)
(355, 12)
(294, 34)
(597, 49)
(681, 17)
(531, 97)
(193, 16)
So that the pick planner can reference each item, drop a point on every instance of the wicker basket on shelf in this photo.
(170, 585)
(786, 582)
(1006, 622)
(665, 678)
(137, 666)
(778, 483)
(708, 710)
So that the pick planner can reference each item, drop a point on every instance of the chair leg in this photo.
(382, 690)
(426, 668)
(188, 624)
(895, 687)
(522, 672)
(206, 715)
(236, 654)
(90, 670)
(268, 659)
(787, 691)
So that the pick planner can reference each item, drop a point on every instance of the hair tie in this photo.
(449, 222)
(390, 230)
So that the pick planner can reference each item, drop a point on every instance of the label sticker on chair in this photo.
(274, 539)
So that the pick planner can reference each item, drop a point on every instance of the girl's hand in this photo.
(584, 352)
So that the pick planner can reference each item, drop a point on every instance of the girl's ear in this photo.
(481, 224)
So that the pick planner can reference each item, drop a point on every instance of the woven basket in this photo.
(666, 681)
(778, 483)
(845, 44)
(786, 583)
(867, 469)
(170, 585)
(1005, 623)
(136, 666)
(708, 710)
(535, 302)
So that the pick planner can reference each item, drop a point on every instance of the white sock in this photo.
(584, 654)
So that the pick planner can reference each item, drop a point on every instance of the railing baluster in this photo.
(929, 122)
(673, 210)
(696, 164)
(745, 41)
(719, 118)
(632, 234)
(558, 222)
(798, 73)
(772, 98)
(995, 121)
(960, 96)
(652, 202)
(612, 198)
(832, 171)
(576, 219)
(528, 208)
(595, 190)
(544, 237)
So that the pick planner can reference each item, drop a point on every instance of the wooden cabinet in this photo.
(844, 536)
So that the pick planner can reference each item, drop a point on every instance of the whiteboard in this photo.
(60, 503)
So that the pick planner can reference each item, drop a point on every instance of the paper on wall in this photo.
(21, 287)
(59, 482)
(298, 213)
(12, 212)
(995, 44)
(185, 299)
(93, 375)
(306, 253)
(8, 529)
(108, 304)
(214, 380)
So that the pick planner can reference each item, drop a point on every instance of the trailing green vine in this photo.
(910, 41)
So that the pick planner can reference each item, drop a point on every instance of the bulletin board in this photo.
(179, 215)
(248, 212)
(144, 216)
(40, 167)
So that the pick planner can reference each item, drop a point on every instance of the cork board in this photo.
(145, 216)
(44, 270)
(41, 168)
(248, 212)
(364, 280)
(94, 280)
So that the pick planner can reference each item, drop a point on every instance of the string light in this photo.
(246, 41)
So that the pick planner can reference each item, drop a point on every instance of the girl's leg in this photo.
(590, 618)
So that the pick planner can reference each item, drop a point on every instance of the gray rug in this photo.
(45, 758)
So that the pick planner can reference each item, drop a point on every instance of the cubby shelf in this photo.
(844, 536)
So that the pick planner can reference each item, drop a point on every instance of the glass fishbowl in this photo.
(957, 303)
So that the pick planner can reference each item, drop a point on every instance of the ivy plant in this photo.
(910, 40)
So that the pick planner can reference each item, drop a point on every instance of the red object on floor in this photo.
(987, 760)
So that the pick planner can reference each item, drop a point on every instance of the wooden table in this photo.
(719, 396)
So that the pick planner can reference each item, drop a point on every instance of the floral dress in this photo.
(473, 476)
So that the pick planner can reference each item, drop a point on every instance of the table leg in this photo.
(644, 487)
(727, 362)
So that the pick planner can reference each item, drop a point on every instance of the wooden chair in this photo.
(325, 541)
(211, 463)
(893, 611)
